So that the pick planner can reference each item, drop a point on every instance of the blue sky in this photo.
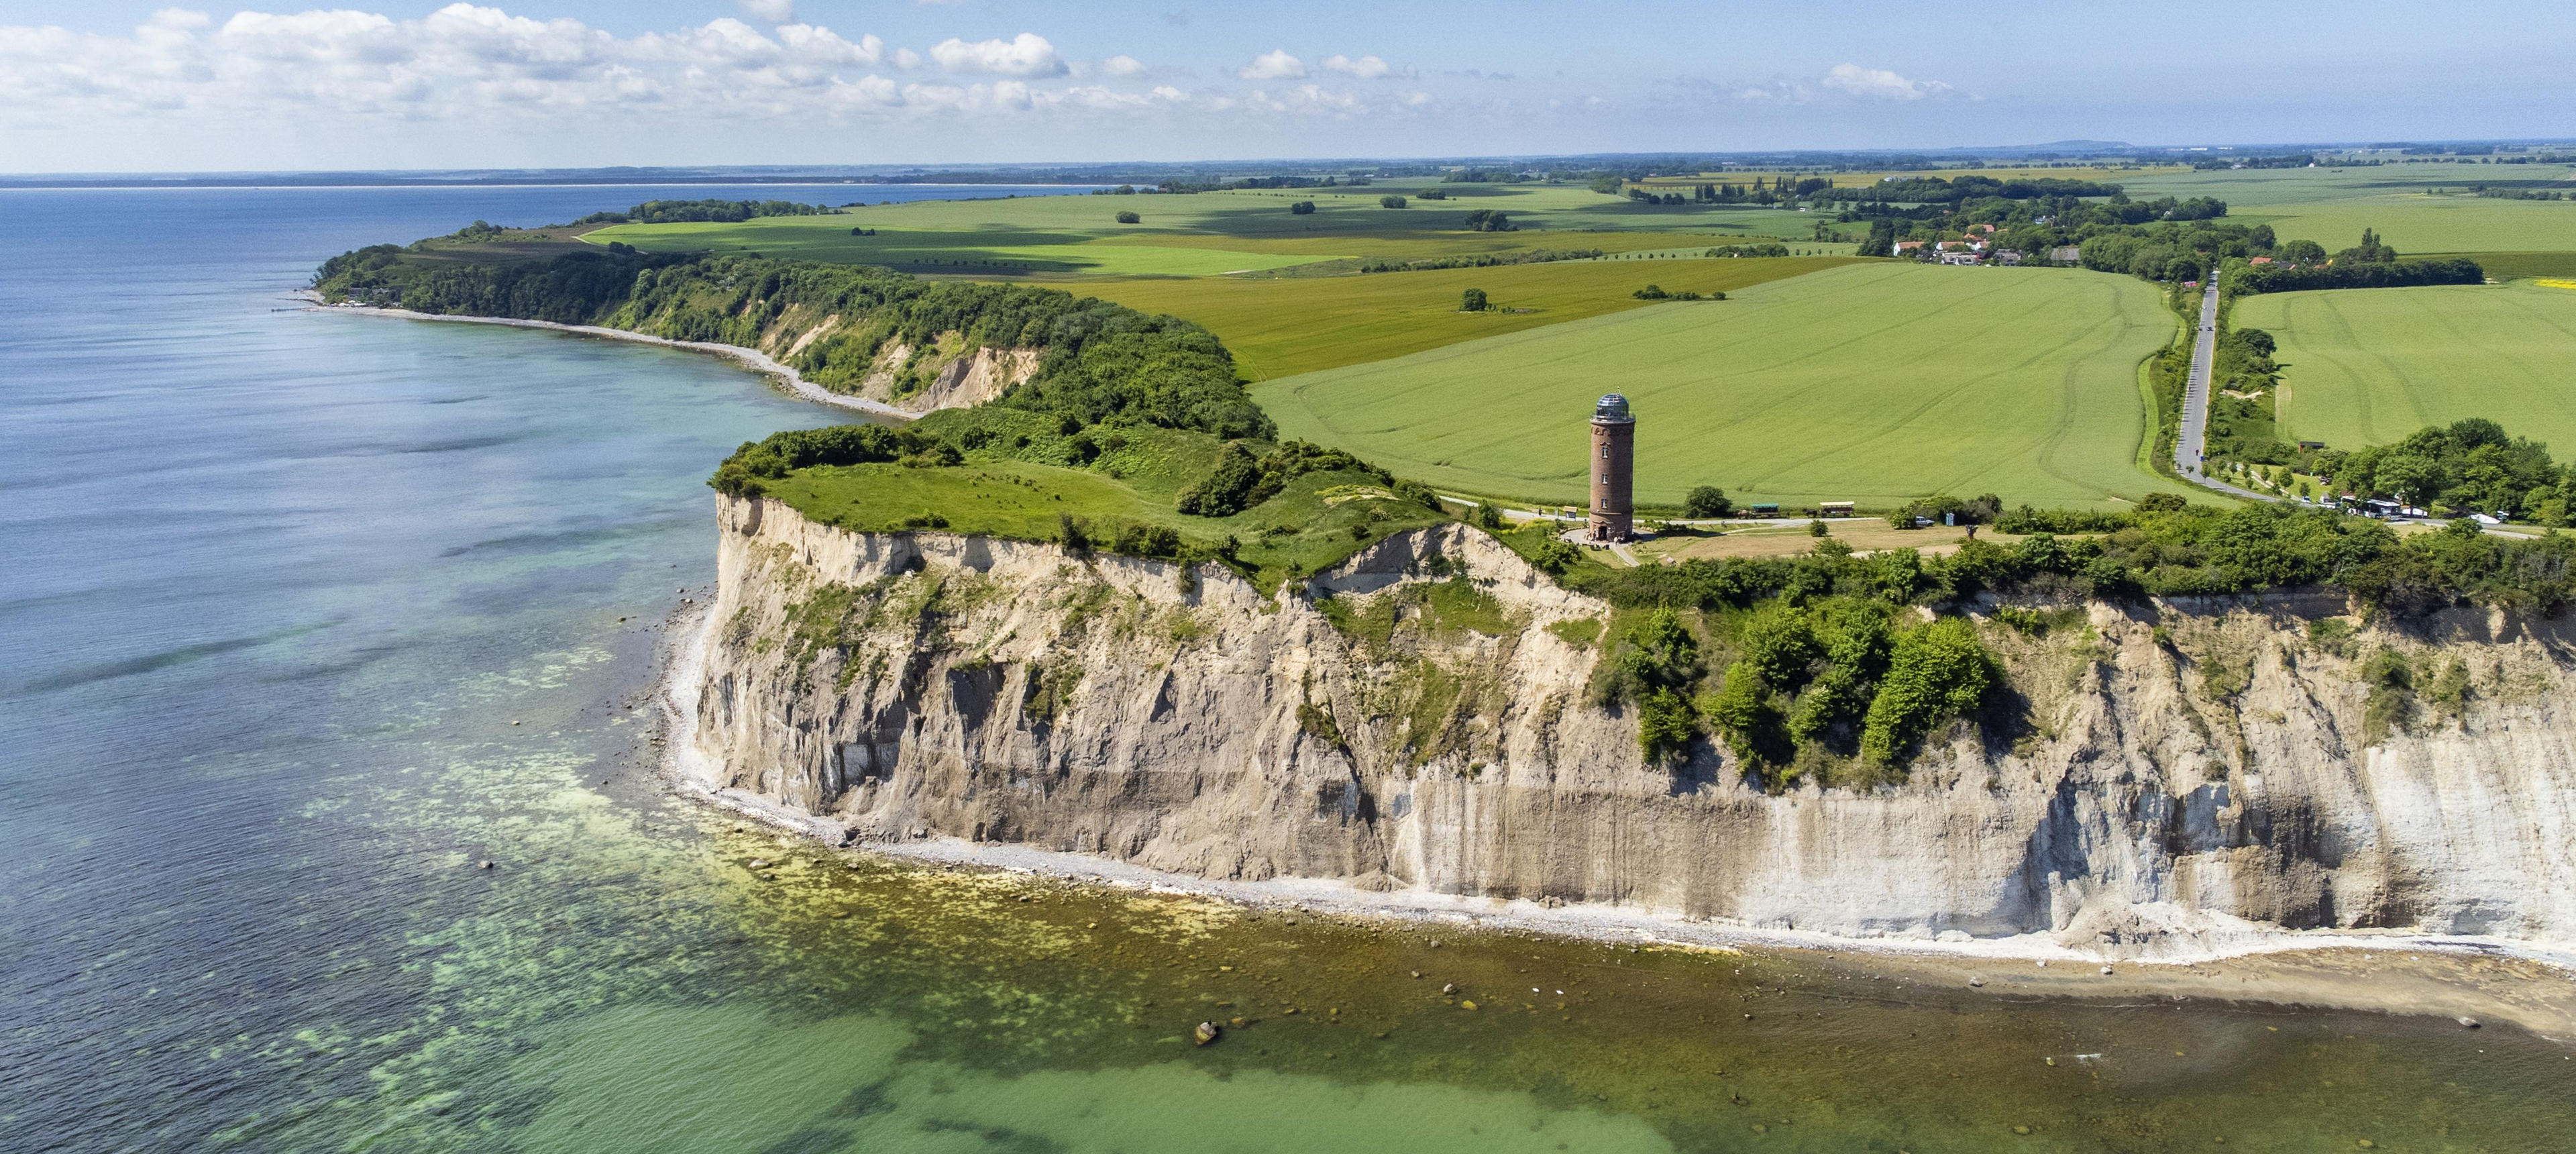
(109, 85)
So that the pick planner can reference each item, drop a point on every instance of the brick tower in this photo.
(1614, 463)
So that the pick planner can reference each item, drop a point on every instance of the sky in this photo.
(112, 86)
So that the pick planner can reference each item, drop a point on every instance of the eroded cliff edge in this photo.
(910, 686)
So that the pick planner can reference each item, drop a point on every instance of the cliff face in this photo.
(944, 374)
(2196, 790)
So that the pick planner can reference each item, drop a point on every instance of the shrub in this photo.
(1651, 667)
(1555, 556)
(1935, 672)
(1472, 301)
(1390, 202)
(1303, 208)
(1130, 218)
(1227, 488)
(2391, 700)
(1816, 528)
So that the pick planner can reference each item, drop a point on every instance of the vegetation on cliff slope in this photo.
(1098, 360)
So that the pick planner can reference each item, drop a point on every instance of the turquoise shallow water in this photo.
(278, 583)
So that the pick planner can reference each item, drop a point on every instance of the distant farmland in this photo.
(2369, 366)
(1209, 233)
(1870, 382)
(1280, 328)
(2332, 205)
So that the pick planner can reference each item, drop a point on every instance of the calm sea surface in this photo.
(302, 615)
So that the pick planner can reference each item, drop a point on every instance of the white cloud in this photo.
(472, 83)
(774, 11)
(1275, 64)
(1879, 84)
(1027, 54)
(1366, 67)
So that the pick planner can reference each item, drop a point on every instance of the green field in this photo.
(2369, 366)
(1280, 328)
(1202, 234)
(2331, 206)
(1873, 382)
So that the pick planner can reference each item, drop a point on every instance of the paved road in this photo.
(2192, 440)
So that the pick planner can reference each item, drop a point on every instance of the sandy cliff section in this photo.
(2200, 793)
(944, 374)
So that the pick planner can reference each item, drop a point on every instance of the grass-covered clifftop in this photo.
(1270, 511)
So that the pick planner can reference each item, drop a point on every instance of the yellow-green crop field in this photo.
(2369, 366)
(1279, 328)
(2332, 205)
(1871, 382)
(1204, 234)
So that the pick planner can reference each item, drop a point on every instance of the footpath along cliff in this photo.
(2175, 777)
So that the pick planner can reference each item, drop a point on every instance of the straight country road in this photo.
(2190, 443)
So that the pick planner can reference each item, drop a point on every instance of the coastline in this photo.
(2468, 979)
(752, 359)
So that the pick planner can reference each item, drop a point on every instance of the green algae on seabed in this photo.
(641, 974)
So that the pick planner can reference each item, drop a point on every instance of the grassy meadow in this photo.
(1210, 233)
(1871, 382)
(2332, 205)
(2369, 366)
(1281, 328)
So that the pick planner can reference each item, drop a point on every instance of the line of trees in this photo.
(704, 211)
(2165, 548)
(2470, 465)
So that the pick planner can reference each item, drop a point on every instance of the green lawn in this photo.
(1280, 328)
(1871, 382)
(2332, 206)
(1211, 233)
(2369, 366)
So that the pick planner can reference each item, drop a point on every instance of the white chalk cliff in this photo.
(2198, 791)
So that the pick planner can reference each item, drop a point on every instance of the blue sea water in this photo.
(305, 614)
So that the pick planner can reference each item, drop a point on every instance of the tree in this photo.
(1390, 202)
(1472, 301)
(1707, 501)
(2412, 477)
(2300, 252)
(1130, 218)
(1303, 208)
(1817, 528)
(1934, 672)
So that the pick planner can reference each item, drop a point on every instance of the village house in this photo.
(2066, 254)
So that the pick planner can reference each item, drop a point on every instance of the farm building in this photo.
(2066, 254)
